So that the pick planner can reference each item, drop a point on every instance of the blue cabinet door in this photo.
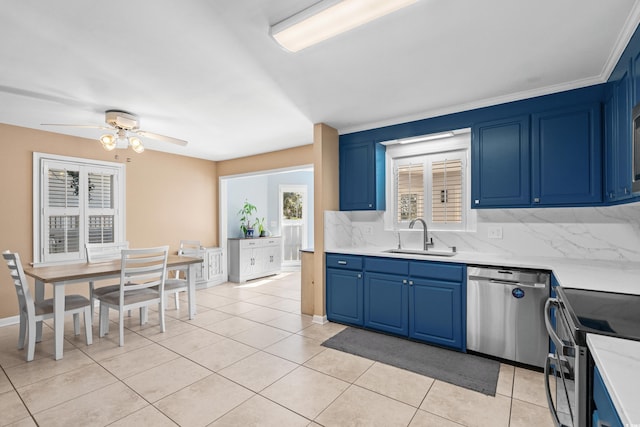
(344, 291)
(362, 176)
(435, 312)
(567, 156)
(623, 145)
(500, 163)
(604, 413)
(386, 303)
(610, 142)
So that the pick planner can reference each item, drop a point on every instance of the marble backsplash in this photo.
(602, 233)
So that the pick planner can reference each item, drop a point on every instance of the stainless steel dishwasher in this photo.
(505, 313)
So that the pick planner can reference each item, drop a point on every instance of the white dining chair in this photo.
(103, 252)
(32, 312)
(142, 279)
(178, 283)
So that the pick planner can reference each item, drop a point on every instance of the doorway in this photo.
(263, 190)
(294, 224)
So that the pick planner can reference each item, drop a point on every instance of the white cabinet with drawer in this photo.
(211, 271)
(254, 258)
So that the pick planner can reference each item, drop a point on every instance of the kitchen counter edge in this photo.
(612, 276)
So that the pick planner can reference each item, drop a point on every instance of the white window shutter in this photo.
(79, 201)
(409, 191)
(446, 191)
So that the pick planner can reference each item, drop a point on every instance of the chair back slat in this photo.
(143, 268)
(25, 300)
(104, 252)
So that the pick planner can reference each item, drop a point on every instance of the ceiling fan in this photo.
(126, 128)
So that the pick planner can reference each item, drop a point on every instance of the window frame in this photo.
(458, 146)
(42, 163)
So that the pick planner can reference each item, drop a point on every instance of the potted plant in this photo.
(262, 232)
(245, 218)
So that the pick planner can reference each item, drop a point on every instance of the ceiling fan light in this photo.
(136, 144)
(108, 141)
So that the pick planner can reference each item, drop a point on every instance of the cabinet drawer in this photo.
(346, 262)
(271, 241)
(437, 270)
(250, 243)
(386, 265)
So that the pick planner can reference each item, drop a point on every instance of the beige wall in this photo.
(168, 198)
(326, 191)
(297, 156)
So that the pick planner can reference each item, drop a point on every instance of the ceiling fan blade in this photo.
(152, 135)
(76, 126)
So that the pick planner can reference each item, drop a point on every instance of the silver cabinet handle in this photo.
(404, 281)
(359, 275)
(536, 200)
(342, 262)
(410, 282)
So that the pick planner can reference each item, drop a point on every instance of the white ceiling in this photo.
(208, 72)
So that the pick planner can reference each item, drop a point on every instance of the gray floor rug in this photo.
(465, 370)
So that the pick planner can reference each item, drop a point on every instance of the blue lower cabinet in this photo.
(422, 300)
(386, 303)
(604, 413)
(435, 312)
(344, 289)
(344, 296)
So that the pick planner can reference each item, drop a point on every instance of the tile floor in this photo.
(249, 358)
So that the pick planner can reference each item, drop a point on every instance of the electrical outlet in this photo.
(495, 232)
(368, 230)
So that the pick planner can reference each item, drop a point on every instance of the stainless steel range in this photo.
(577, 313)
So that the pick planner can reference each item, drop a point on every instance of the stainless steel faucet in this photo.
(427, 240)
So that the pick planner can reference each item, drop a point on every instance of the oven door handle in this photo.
(547, 321)
(547, 388)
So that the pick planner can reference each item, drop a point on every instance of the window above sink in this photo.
(429, 179)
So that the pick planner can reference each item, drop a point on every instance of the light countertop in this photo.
(612, 276)
(619, 363)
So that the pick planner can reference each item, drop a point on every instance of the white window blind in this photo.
(431, 187)
(446, 197)
(62, 191)
(410, 191)
(101, 207)
(79, 202)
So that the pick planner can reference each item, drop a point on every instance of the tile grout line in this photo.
(19, 395)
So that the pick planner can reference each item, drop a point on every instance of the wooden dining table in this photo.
(61, 275)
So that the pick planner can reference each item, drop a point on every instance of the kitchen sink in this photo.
(422, 252)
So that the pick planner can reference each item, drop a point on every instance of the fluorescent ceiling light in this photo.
(329, 18)
(425, 138)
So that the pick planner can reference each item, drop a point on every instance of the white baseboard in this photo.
(320, 320)
(8, 321)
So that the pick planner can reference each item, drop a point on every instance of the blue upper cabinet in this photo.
(618, 137)
(500, 163)
(362, 176)
(555, 162)
(567, 156)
